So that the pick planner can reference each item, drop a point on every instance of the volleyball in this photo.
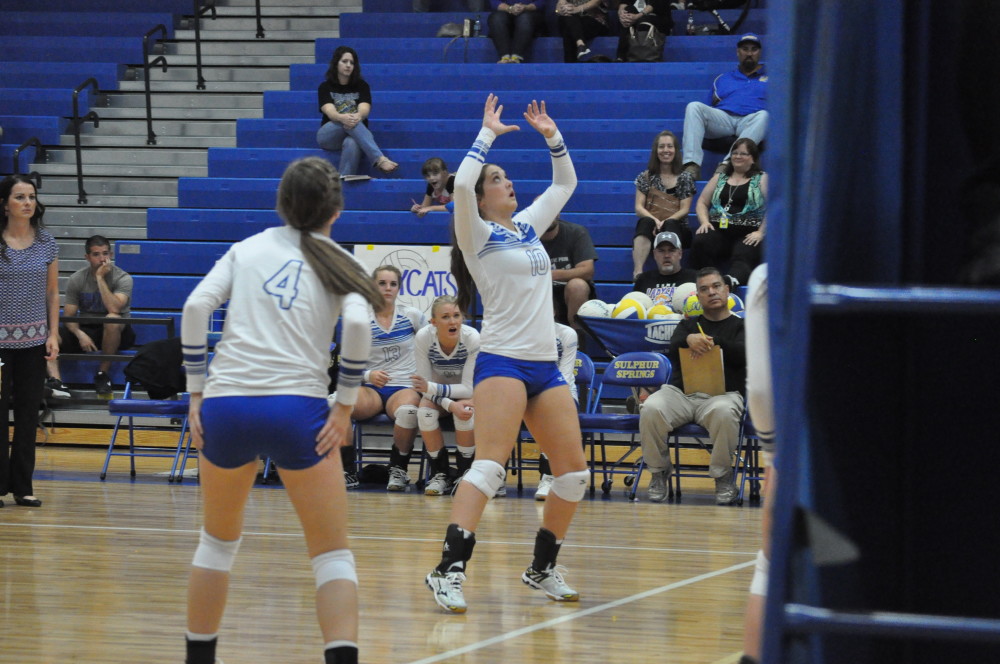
(639, 297)
(595, 309)
(736, 305)
(659, 312)
(681, 295)
(692, 307)
(628, 308)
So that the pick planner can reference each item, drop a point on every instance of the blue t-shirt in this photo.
(739, 93)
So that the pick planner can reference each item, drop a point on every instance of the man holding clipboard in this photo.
(708, 355)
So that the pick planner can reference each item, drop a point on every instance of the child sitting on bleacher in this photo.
(440, 186)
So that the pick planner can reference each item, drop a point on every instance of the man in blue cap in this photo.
(738, 100)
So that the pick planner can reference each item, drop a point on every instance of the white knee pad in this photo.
(571, 487)
(406, 417)
(427, 418)
(213, 553)
(334, 565)
(465, 425)
(487, 476)
(758, 586)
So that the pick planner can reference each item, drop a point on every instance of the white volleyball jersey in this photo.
(567, 342)
(511, 267)
(279, 324)
(392, 349)
(448, 375)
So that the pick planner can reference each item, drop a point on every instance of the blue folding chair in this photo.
(698, 434)
(131, 408)
(635, 370)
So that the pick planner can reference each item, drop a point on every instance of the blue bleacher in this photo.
(527, 164)
(444, 134)
(465, 103)
(539, 77)
(426, 103)
(127, 50)
(60, 74)
(19, 128)
(396, 23)
(543, 49)
(79, 24)
(125, 6)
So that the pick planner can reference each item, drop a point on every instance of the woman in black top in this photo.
(345, 100)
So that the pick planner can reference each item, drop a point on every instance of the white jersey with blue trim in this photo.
(567, 342)
(279, 324)
(392, 348)
(511, 267)
(448, 375)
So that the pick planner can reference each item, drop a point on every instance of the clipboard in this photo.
(704, 373)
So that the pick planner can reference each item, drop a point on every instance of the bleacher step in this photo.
(188, 99)
(276, 24)
(215, 74)
(122, 170)
(213, 86)
(238, 60)
(135, 113)
(229, 48)
(114, 187)
(285, 35)
(145, 156)
(136, 127)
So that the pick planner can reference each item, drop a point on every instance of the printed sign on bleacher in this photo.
(426, 270)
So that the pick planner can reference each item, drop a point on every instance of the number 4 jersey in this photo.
(279, 323)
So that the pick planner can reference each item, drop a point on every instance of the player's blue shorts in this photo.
(536, 376)
(385, 392)
(240, 429)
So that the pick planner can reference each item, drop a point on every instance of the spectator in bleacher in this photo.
(440, 186)
(738, 100)
(102, 289)
(388, 375)
(663, 193)
(572, 256)
(473, 5)
(513, 26)
(660, 282)
(635, 14)
(345, 100)
(265, 396)
(446, 352)
(732, 215)
(29, 319)
(670, 407)
(579, 22)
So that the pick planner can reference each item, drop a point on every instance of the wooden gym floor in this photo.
(98, 574)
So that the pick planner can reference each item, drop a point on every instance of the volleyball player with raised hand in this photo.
(265, 395)
(516, 374)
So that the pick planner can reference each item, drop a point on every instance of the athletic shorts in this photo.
(238, 430)
(70, 343)
(385, 392)
(536, 376)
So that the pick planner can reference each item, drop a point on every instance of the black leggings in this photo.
(646, 227)
(578, 27)
(23, 386)
(715, 248)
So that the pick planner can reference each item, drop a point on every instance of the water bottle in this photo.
(475, 28)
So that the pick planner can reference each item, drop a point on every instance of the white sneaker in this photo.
(551, 582)
(438, 485)
(447, 589)
(544, 484)
(398, 479)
